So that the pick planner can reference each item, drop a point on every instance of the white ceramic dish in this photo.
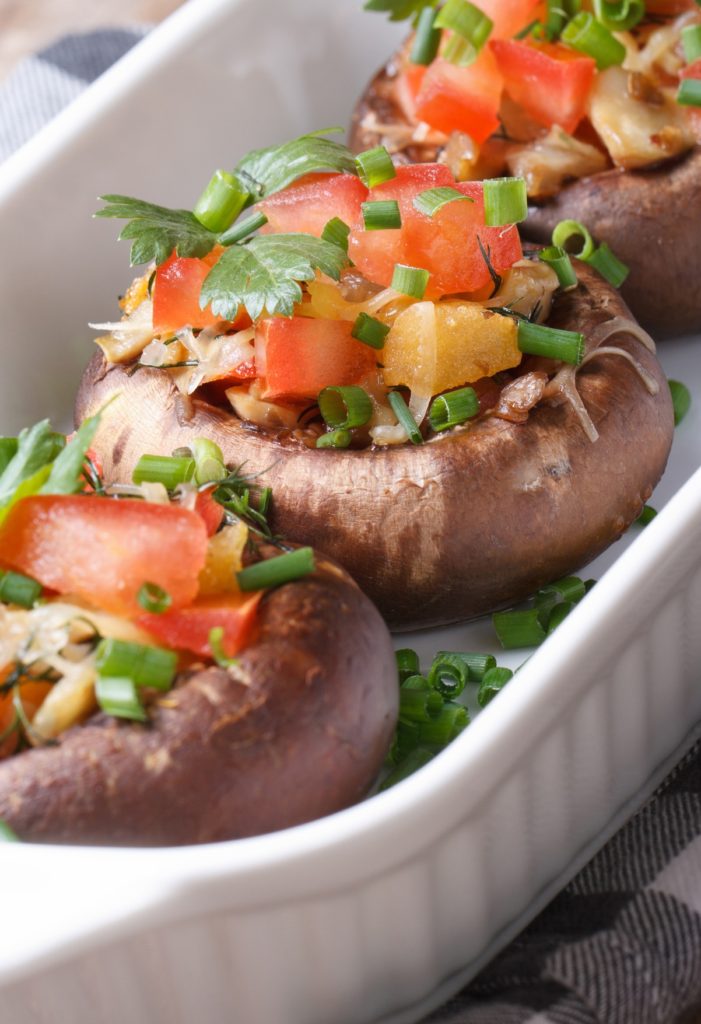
(380, 912)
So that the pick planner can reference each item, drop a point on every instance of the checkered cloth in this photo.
(622, 943)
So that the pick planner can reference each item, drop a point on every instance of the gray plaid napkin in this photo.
(622, 943)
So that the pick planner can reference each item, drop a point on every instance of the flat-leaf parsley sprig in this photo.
(260, 272)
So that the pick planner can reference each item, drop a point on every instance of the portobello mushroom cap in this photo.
(296, 729)
(650, 218)
(473, 520)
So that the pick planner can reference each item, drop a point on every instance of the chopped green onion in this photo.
(216, 646)
(568, 229)
(416, 681)
(505, 201)
(442, 728)
(518, 629)
(381, 215)
(154, 599)
(477, 663)
(689, 93)
(681, 400)
(163, 469)
(471, 26)
(495, 679)
(414, 760)
(539, 340)
(589, 36)
(7, 835)
(559, 13)
(154, 667)
(427, 38)
(18, 589)
(558, 615)
(619, 15)
(264, 499)
(375, 166)
(244, 228)
(417, 704)
(334, 439)
(345, 406)
(453, 408)
(119, 697)
(403, 413)
(407, 663)
(8, 450)
(336, 231)
(608, 265)
(691, 42)
(646, 516)
(570, 588)
(410, 281)
(209, 461)
(273, 572)
(370, 331)
(221, 202)
(558, 258)
(434, 199)
(449, 674)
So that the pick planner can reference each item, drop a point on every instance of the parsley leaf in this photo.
(264, 171)
(400, 10)
(157, 230)
(264, 274)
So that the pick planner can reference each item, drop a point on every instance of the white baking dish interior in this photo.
(376, 912)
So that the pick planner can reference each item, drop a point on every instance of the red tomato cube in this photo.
(188, 629)
(467, 100)
(310, 203)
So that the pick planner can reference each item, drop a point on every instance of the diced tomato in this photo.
(467, 99)
(176, 294)
(210, 510)
(103, 551)
(188, 629)
(509, 16)
(409, 82)
(550, 81)
(312, 201)
(297, 357)
(446, 245)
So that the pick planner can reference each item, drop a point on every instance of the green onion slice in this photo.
(449, 674)
(275, 571)
(216, 646)
(18, 589)
(495, 679)
(559, 13)
(8, 450)
(407, 663)
(557, 258)
(168, 470)
(689, 94)
(646, 516)
(334, 439)
(566, 230)
(518, 628)
(154, 599)
(370, 331)
(7, 835)
(243, 229)
(539, 340)
(221, 202)
(681, 400)
(415, 759)
(418, 704)
(336, 231)
(154, 667)
(476, 662)
(442, 728)
(434, 199)
(209, 461)
(375, 166)
(558, 615)
(471, 26)
(403, 413)
(453, 408)
(608, 265)
(619, 15)
(691, 42)
(120, 697)
(427, 38)
(505, 201)
(410, 281)
(589, 36)
(381, 215)
(345, 406)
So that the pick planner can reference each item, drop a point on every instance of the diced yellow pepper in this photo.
(223, 561)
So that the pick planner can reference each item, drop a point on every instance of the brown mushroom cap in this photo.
(473, 520)
(650, 218)
(298, 729)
